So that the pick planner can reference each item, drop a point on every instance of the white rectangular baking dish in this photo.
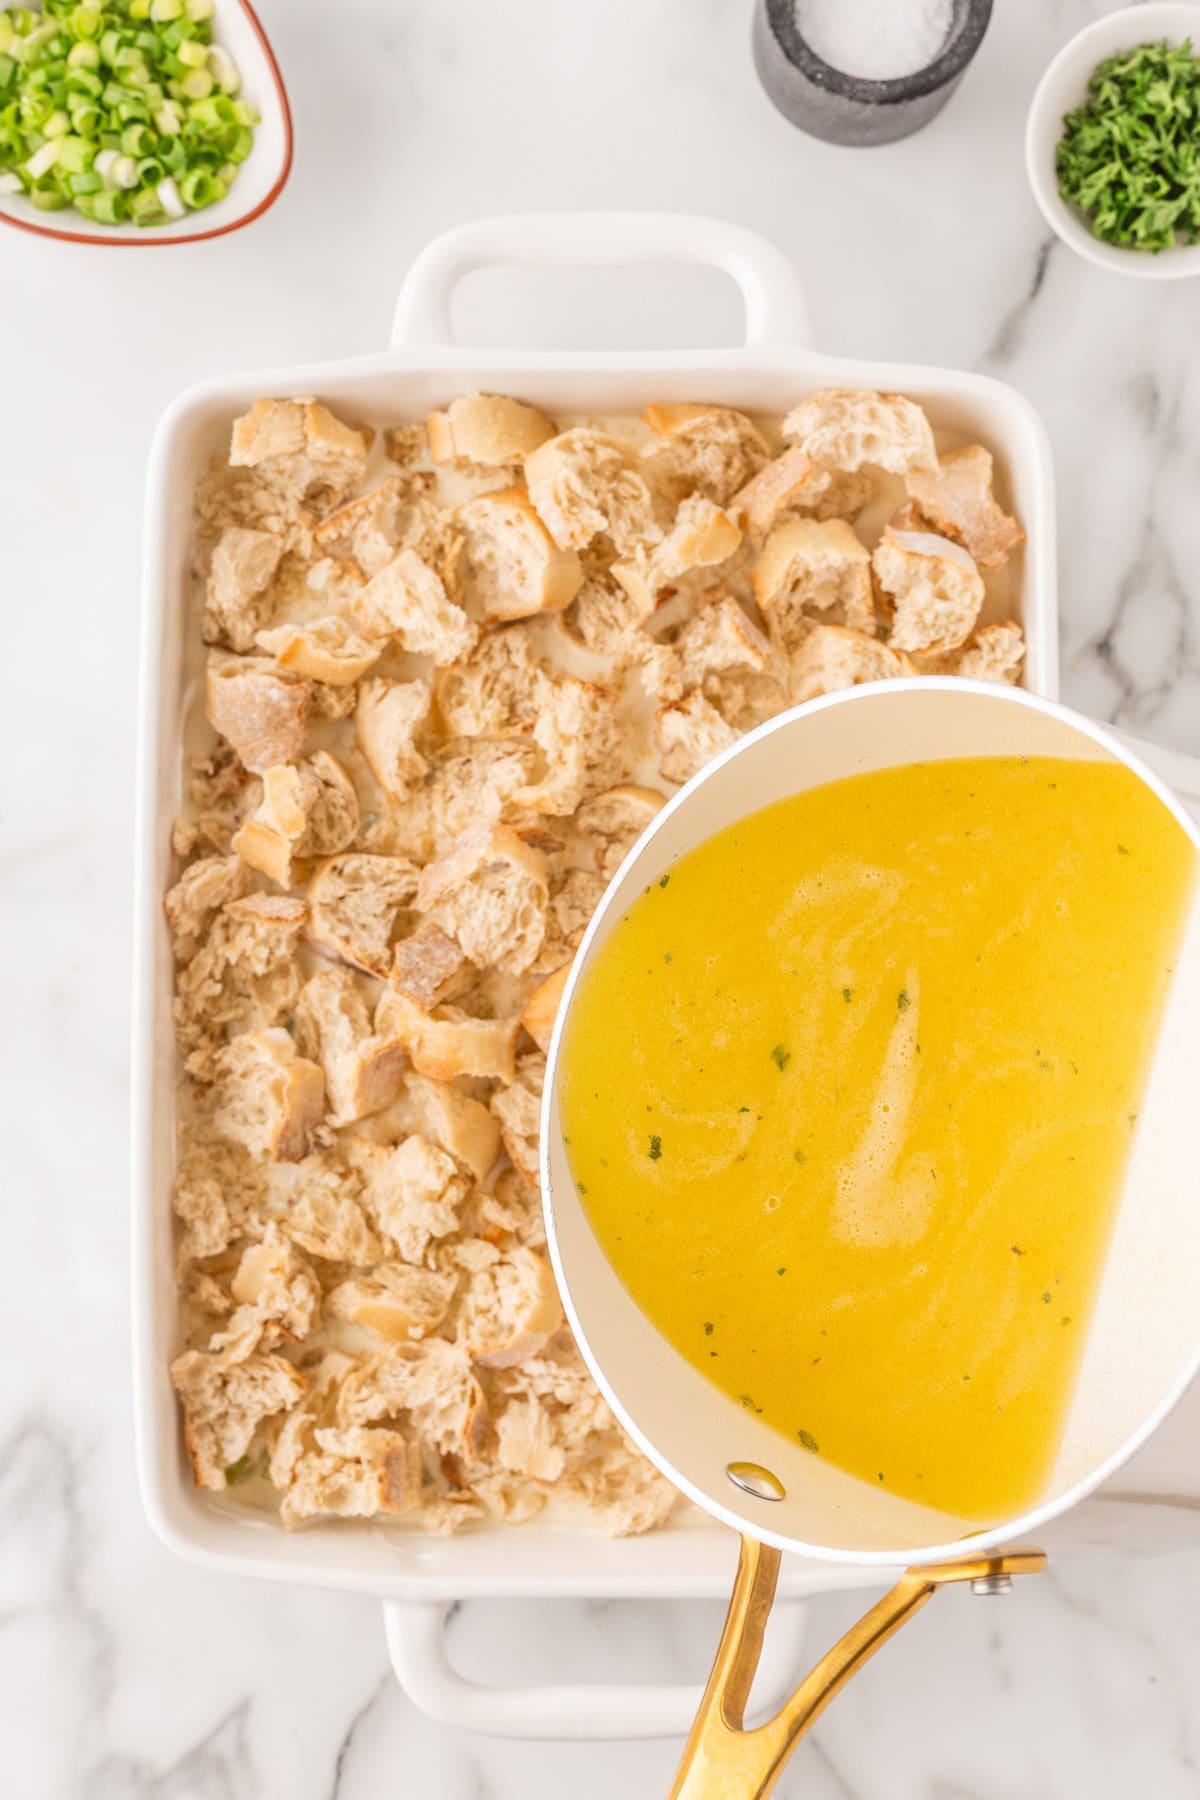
(419, 1576)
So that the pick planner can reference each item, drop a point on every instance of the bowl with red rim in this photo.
(260, 179)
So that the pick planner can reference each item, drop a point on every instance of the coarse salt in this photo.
(877, 40)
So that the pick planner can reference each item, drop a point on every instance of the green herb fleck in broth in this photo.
(655, 1148)
(781, 1056)
(808, 1440)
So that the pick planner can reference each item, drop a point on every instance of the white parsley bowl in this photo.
(1064, 87)
(260, 180)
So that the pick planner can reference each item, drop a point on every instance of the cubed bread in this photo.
(395, 1301)
(278, 1285)
(241, 976)
(260, 712)
(610, 823)
(387, 720)
(514, 567)
(238, 596)
(583, 482)
(489, 891)
(412, 1191)
(303, 440)
(715, 639)
(584, 738)
(459, 1125)
(541, 1008)
(931, 588)
(489, 429)
(355, 901)
(328, 650)
(790, 480)
(956, 500)
(604, 617)
(843, 428)
(270, 1098)
(831, 657)
(362, 1473)
(308, 809)
(407, 600)
(991, 653)
(326, 1218)
(370, 528)
(429, 966)
(431, 1384)
(226, 1396)
(363, 1068)
(498, 692)
(689, 732)
(810, 568)
(204, 886)
(714, 450)
(447, 1042)
(511, 1311)
(703, 535)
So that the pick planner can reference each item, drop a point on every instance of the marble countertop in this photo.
(124, 1673)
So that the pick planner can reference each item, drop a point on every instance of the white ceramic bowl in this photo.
(260, 179)
(1064, 87)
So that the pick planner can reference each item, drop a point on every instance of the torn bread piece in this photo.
(328, 650)
(473, 779)
(712, 450)
(261, 713)
(204, 887)
(325, 1216)
(363, 1068)
(717, 638)
(518, 1108)
(226, 1395)
(457, 1124)
(447, 1042)
(412, 1191)
(488, 889)
(407, 600)
(388, 717)
(541, 1008)
(269, 1097)
(689, 732)
(355, 902)
(302, 441)
(584, 482)
(604, 617)
(831, 657)
(610, 822)
(511, 1310)
(810, 567)
(487, 429)
(931, 588)
(277, 1285)
(432, 1386)
(241, 976)
(794, 483)
(702, 537)
(429, 966)
(991, 653)
(843, 428)
(583, 736)
(956, 499)
(395, 1301)
(238, 599)
(514, 567)
(308, 809)
(498, 693)
(362, 1473)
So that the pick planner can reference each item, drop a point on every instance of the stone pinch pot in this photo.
(849, 109)
(1143, 1347)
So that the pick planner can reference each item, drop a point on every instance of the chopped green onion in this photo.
(124, 109)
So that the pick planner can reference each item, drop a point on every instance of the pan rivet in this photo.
(756, 1480)
(992, 1584)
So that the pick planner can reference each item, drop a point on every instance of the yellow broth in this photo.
(849, 1096)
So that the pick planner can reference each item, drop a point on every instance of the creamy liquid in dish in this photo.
(849, 1096)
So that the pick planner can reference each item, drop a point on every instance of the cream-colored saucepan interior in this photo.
(1144, 1343)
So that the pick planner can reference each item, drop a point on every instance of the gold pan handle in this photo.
(722, 1760)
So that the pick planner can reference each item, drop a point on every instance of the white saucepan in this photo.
(1143, 1347)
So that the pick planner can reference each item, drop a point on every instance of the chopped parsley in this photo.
(708, 1327)
(665, 880)
(781, 1056)
(1047, 1297)
(1129, 157)
(903, 1000)
(847, 995)
(808, 1440)
(655, 1148)
(250, 1467)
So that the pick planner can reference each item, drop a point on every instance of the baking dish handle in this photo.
(776, 310)
(416, 1640)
